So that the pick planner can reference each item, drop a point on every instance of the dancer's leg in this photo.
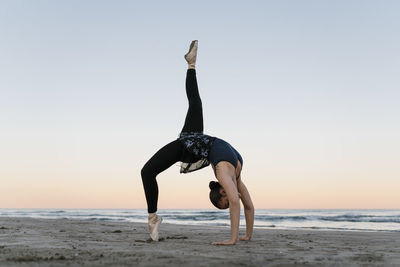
(159, 162)
(162, 160)
(194, 116)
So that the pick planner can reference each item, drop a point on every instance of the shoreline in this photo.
(241, 227)
(61, 242)
(336, 220)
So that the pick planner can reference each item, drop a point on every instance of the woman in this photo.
(196, 150)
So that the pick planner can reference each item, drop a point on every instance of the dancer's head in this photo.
(218, 195)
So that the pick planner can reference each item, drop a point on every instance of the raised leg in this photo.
(194, 116)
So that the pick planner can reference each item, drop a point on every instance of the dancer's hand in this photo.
(225, 242)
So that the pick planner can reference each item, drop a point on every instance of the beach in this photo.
(63, 242)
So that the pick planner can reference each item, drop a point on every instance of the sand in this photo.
(63, 242)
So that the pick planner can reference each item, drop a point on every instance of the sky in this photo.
(307, 91)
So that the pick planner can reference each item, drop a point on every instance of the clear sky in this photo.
(307, 91)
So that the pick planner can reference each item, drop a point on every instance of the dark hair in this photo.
(215, 196)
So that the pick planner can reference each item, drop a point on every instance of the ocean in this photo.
(350, 220)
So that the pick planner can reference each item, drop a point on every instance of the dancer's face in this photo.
(224, 202)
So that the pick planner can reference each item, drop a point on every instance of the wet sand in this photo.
(63, 242)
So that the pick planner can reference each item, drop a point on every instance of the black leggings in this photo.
(173, 152)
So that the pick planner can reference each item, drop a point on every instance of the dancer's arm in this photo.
(248, 209)
(226, 181)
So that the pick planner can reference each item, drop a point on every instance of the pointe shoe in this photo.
(192, 54)
(154, 224)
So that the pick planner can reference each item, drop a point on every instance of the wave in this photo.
(196, 217)
(57, 211)
(280, 218)
(362, 218)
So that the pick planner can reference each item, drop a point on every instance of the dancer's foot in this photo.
(154, 223)
(192, 54)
